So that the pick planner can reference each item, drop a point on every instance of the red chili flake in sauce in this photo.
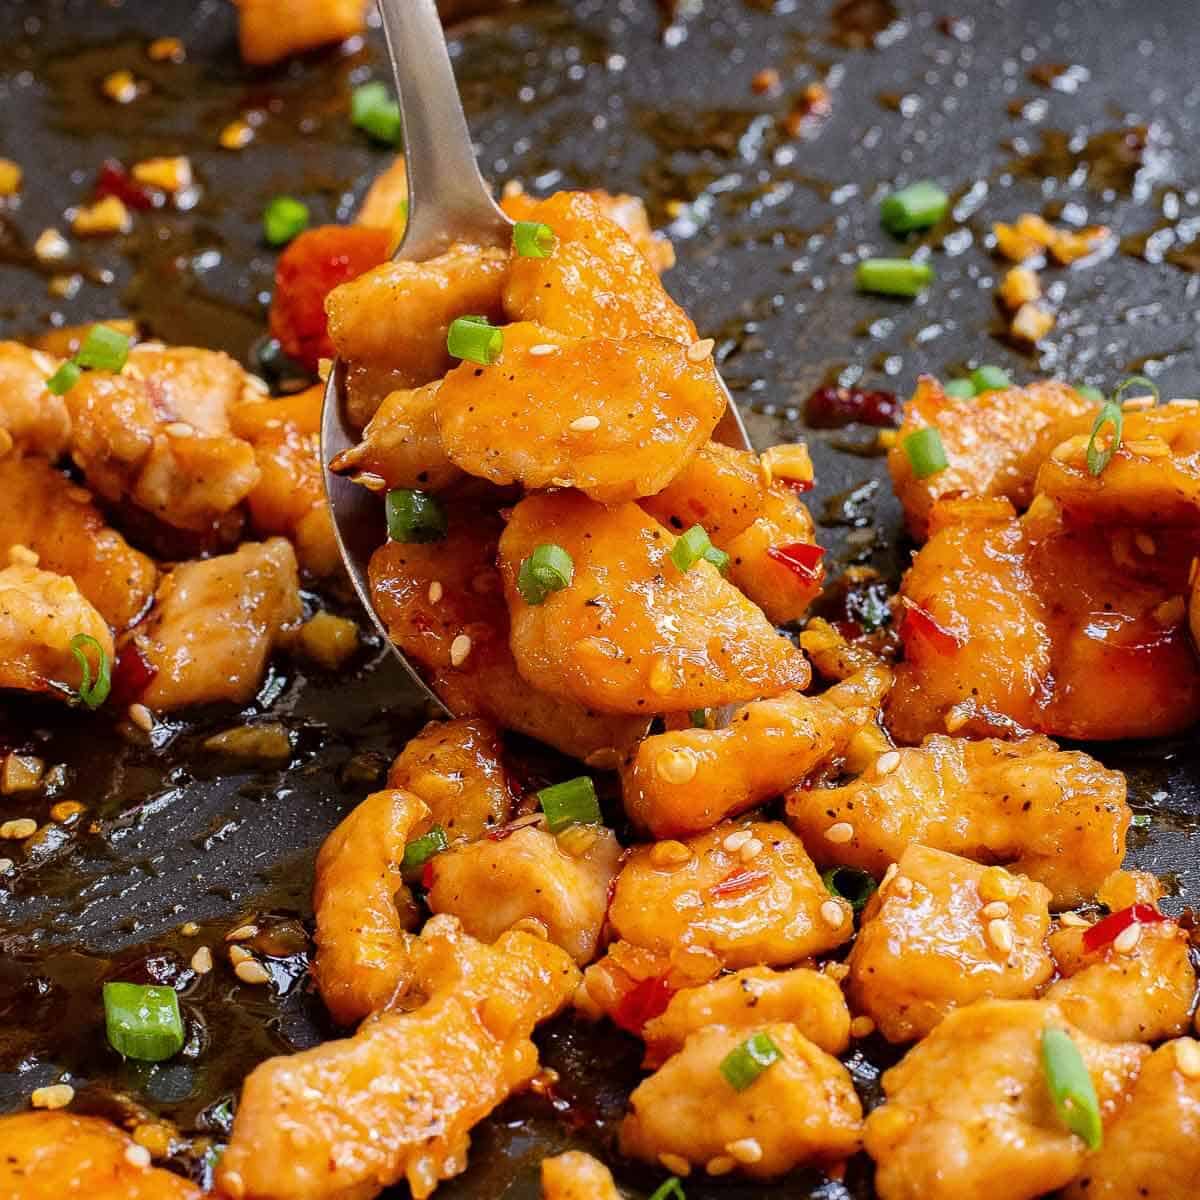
(738, 882)
(919, 623)
(643, 1003)
(1103, 932)
(801, 558)
(131, 675)
(799, 486)
(427, 875)
(114, 180)
(837, 407)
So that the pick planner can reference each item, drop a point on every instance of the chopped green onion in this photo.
(402, 212)
(990, 379)
(1132, 382)
(1094, 394)
(699, 718)
(915, 207)
(373, 110)
(571, 803)
(1071, 1087)
(693, 545)
(414, 516)
(669, 1189)
(420, 850)
(854, 886)
(93, 691)
(925, 452)
(1097, 459)
(744, 1064)
(960, 389)
(1140, 820)
(893, 276)
(475, 340)
(143, 1021)
(283, 219)
(65, 378)
(104, 349)
(532, 239)
(548, 569)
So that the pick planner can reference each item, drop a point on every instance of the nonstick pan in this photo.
(1085, 111)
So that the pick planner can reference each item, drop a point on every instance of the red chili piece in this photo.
(919, 623)
(837, 407)
(131, 675)
(427, 875)
(738, 883)
(643, 1003)
(1103, 932)
(113, 180)
(800, 558)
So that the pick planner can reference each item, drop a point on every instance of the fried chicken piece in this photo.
(398, 1099)
(51, 1155)
(613, 417)
(721, 488)
(33, 417)
(577, 1176)
(63, 527)
(1054, 815)
(215, 623)
(633, 633)
(385, 206)
(269, 30)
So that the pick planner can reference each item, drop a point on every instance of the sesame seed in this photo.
(142, 717)
(436, 592)
(1000, 934)
(722, 1164)
(887, 762)
(833, 914)
(735, 841)
(202, 961)
(22, 827)
(676, 1164)
(699, 351)
(1145, 543)
(996, 909)
(902, 887)
(542, 349)
(997, 884)
(669, 854)
(751, 849)
(178, 429)
(745, 1150)
(676, 766)
(1126, 941)
(243, 933)
(51, 246)
(137, 1156)
(239, 955)
(189, 929)
(840, 833)
(459, 649)
(584, 424)
(56, 1095)
(1187, 1058)
(862, 1027)
(1074, 921)
(252, 972)
(370, 480)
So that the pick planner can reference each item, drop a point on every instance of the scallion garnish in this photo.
(693, 545)
(414, 516)
(143, 1021)
(532, 239)
(925, 452)
(960, 389)
(854, 886)
(1094, 394)
(284, 219)
(64, 379)
(893, 276)
(104, 349)
(699, 718)
(917, 206)
(571, 803)
(1097, 459)
(1135, 381)
(718, 558)
(669, 1189)
(990, 379)
(548, 569)
(420, 850)
(1071, 1087)
(475, 340)
(95, 683)
(373, 110)
(745, 1063)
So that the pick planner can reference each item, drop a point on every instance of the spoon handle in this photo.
(448, 199)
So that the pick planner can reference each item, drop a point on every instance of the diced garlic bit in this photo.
(169, 174)
(202, 961)
(840, 833)
(699, 351)
(330, 641)
(998, 884)
(166, 49)
(676, 766)
(791, 463)
(1126, 941)
(10, 177)
(102, 219)
(55, 1095)
(21, 773)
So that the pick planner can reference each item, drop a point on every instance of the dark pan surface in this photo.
(1086, 109)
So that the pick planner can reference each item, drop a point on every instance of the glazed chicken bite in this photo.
(577, 1176)
(40, 615)
(721, 488)
(994, 442)
(944, 932)
(1054, 815)
(398, 1099)
(615, 418)
(215, 623)
(51, 1155)
(362, 908)
(456, 769)
(529, 876)
(801, 1110)
(968, 1111)
(33, 418)
(269, 30)
(443, 606)
(633, 633)
(738, 896)
(60, 524)
(1151, 1150)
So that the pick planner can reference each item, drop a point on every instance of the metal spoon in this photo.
(448, 201)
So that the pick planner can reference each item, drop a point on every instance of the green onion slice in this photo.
(532, 239)
(744, 1064)
(143, 1021)
(93, 688)
(990, 379)
(669, 1189)
(693, 545)
(414, 516)
(571, 803)
(1094, 394)
(1132, 382)
(960, 389)
(104, 349)
(854, 886)
(1140, 821)
(420, 850)
(925, 452)
(283, 219)
(718, 558)
(65, 378)
(373, 110)
(699, 718)
(917, 206)
(1097, 459)
(893, 276)
(1071, 1086)
(475, 340)
(548, 569)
